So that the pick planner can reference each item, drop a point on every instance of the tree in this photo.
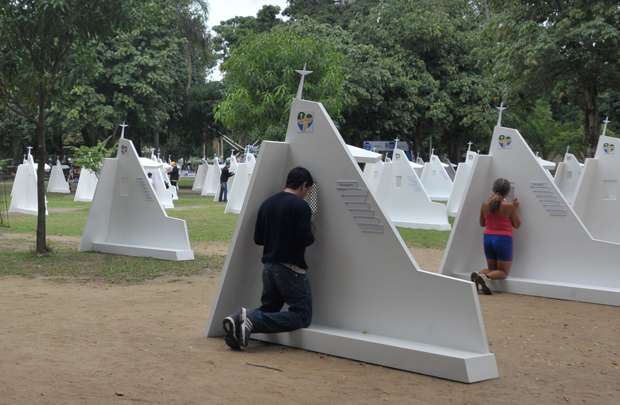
(91, 158)
(261, 82)
(37, 38)
(568, 47)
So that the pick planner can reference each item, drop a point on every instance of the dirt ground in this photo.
(72, 343)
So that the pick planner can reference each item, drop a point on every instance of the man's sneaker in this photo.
(483, 279)
(245, 328)
(232, 325)
(474, 278)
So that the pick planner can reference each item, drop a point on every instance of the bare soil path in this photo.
(70, 343)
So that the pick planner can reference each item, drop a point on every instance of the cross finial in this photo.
(29, 150)
(501, 109)
(469, 146)
(432, 151)
(605, 122)
(123, 125)
(567, 148)
(300, 89)
(396, 143)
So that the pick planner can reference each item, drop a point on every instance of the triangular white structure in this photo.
(373, 172)
(240, 184)
(211, 184)
(449, 169)
(436, 180)
(461, 180)
(199, 179)
(57, 182)
(554, 254)
(371, 301)
(597, 197)
(567, 176)
(404, 199)
(126, 217)
(164, 195)
(87, 184)
(24, 192)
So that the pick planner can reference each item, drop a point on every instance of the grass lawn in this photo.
(205, 219)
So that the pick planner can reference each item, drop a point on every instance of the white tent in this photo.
(547, 164)
(363, 155)
(240, 184)
(164, 195)
(461, 180)
(404, 199)
(554, 254)
(436, 180)
(211, 184)
(597, 197)
(24, 192)
(199, 180)
(567, 176)
(371, 302)
(126, 217)
(87, 184)
(57, 182)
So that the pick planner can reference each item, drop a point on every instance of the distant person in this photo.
(226, 174)
(498, 216)
(174, 174)
(283, 228)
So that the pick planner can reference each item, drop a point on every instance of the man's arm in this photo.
(304, 227)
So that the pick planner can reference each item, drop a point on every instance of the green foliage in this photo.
(91, 158)
(261, 81)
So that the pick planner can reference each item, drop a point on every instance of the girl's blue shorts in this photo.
(498, 247)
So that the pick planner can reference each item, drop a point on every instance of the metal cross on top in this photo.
(469, 145)
(123, 125)
(29, 150)
(501, 109)
(605, 122)
(300, 89)
(396, 143)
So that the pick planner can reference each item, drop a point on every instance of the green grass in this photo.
(66, 263)
(205, 219)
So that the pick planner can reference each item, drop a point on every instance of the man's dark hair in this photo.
(297, 177)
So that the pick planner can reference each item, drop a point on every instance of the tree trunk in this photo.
(41, 149)
(590, 117)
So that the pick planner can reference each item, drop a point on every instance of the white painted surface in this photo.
(404, 199)
(597, 198)
(199, 180)
(554, 254)
(567, 176)
(164, 195)
(373, 173)
(126, 217)
(240, 185)
(24, 191)
(57, 182)
(371, 301)
(436, 180)
(211, 184)
(87, 184)
(461, 180)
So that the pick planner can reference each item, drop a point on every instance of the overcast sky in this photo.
(221, 10)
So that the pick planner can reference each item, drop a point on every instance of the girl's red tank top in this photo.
(497, 224)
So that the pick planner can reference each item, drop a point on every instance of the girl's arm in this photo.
(482, 220)
(514, 216)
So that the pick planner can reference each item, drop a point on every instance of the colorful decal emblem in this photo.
(505, 141)
(609, 147)
(123, 149)
(305, 122)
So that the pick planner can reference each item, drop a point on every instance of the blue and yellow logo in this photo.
(505, 141)
(609, 147)
(305, 122)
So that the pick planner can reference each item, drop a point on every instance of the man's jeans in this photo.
(282, 286)
(223, 192)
